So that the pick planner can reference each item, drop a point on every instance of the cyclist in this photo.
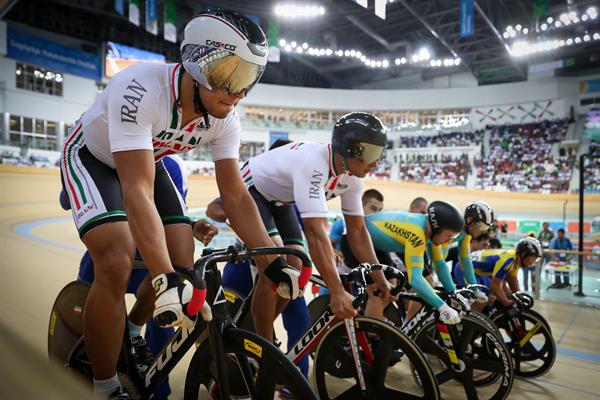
(494, 267)
(478, 217)
(308, 175)
(145, 348)
(121, 198)
(407, 233)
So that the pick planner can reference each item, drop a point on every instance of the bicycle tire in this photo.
(330, 364)
(525, 355)
(474, 346)
(65, 327)
(269, 369)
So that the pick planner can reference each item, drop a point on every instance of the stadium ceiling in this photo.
(409, 26)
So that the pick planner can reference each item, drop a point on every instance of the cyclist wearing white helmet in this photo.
(478, 218)
(494, 267)
(121, 195)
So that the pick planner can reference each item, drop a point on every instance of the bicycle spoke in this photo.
(470, 389)
(491, 365)
(395, 394)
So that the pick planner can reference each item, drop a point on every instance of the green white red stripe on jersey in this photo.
(72, 181)
(247, 174)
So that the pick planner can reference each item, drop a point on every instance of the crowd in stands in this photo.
(592, 169)
(520, 159)
(436, 170)
(443, 139)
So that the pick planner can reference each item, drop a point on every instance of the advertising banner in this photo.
(118, 57)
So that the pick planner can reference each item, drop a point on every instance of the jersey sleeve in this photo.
(132, 110)
(464, 248)
(337, 229)
(441, 267)
(502, 267)
(227, 143)
(309, 187)
(413, 259)
(352, 199)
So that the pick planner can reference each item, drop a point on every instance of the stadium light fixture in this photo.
(291, 10)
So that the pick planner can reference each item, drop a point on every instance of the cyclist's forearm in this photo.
(513, 284)
(468, 270)
(147, 229)
(443, 272)
(246, 222)
(498, 290)
(322, 256)
(423, 288)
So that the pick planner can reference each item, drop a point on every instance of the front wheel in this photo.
(530, 341)
(479, 361)
(256, 369)
(387, 359)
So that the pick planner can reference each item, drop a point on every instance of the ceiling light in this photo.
(584, 17)
(544, 27)
(305, 45)
(347, 53)
(288, 47)
(569, 41)
(505, 35)
(385, 63)
(397, 61)
(432, 63)
(586, 38)
(282, 42)
(378, 63)
(525, 31)
(509, 28)
(403, 60)
(298, 11)
(294, 44)
(596, 36)
(328, 52)
(577, 40)
(415, 58)
(457, 61)
(299, 50)
(557, 24)
(550, 20)
(518, 27)
(363, 58)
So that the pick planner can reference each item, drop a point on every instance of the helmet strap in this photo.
(198, 106)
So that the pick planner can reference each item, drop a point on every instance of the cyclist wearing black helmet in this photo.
(478, 217)
(120, 193)
(309, 174)
(408, 233)
(494, 267)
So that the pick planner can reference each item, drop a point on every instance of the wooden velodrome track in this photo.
(40, 252)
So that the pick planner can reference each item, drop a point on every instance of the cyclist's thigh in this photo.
(265, 211)
(172, 210)
(289, 230)
(238, 277)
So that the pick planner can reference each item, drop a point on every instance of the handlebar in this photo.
(358, 275)
(234, 254)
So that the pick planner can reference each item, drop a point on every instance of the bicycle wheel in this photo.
(256, 369)
(66, 321)
(317, 307)
(485, 368)
(531, 344)
(387, 358)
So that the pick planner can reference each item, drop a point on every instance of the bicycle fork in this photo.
(351, 332)
(448, 334)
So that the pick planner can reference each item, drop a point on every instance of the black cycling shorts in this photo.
(352, 262)
(94, 192)
(279, 219)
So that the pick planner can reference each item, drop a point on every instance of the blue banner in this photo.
(274, 135)
(466, 18)
(46, 54)
(120, 6)
(152, 16)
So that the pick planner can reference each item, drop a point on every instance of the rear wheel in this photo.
(66, 321)
(387, 359)
(256, 369)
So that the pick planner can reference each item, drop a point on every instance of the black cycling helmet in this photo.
(480, 211)
(359, 135)
(529, 246)
(442, 215)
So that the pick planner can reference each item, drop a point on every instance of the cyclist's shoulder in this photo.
(144, 77)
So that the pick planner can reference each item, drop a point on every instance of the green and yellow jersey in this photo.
(496, 263)
(440, 252)
(404, 232)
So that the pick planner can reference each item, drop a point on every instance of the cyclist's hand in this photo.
(480, 297)
(511, 310)
(386, 290)
(204, 231)
(172, 295)
(465, 305)
(448, 315)
(339, 258)
(341, 304)
(284, 278)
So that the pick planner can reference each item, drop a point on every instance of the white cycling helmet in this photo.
(224, 50)
(480, 211)
(529, 246)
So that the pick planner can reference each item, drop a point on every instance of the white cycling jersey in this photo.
(303, 173)
(140, 109)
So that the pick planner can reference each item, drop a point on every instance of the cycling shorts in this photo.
(352, 262)
(279, 219)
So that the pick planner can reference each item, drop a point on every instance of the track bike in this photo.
(527, 335)
(352, 357)
(262, 366)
